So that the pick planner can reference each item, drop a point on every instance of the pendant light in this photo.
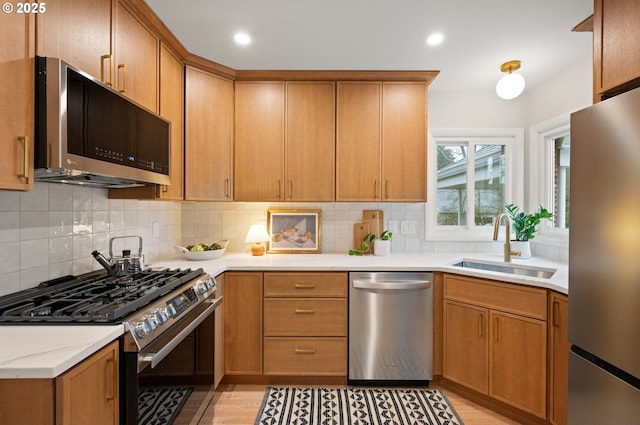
(511, 85)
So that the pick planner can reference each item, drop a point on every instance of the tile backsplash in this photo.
(51, 231)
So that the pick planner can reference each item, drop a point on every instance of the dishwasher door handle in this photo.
(392, 284)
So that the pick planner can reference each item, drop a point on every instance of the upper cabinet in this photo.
(616, 35)
(78, 32)
(285, 141)
(208, 136)
(135, 59)
(259, 137)
(381, 141)
(16, 104)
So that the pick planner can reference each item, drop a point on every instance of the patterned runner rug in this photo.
(161, 405)
(355, 406)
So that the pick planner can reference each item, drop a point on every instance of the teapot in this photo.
(121, 265)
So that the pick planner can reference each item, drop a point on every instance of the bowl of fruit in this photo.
(203, 250)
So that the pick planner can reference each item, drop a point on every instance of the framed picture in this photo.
(294, 231)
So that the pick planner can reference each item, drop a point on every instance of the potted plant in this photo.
(381, 245)
(525, 225)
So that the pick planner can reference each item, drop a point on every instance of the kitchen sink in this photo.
(516, 269)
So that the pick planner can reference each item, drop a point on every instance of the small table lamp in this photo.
(257, 235)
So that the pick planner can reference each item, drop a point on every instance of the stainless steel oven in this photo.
(158, 308)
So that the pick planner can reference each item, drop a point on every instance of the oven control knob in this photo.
(161, 315)
(142, 328)
(171, 310)
(203, 286)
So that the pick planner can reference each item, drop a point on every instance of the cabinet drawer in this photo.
(305, 356)
(305, 317)
(507, 297)
(305, 284)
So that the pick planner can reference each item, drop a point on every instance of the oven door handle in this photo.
(144, 358)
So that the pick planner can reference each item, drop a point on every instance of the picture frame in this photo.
(294, 231)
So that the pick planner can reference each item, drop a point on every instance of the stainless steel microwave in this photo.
(87, 133)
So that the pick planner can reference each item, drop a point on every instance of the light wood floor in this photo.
(239, 405)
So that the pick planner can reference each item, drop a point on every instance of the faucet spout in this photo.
(507, 244)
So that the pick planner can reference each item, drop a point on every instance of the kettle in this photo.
(121, 265)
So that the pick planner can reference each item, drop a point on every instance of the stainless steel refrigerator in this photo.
(604, 263)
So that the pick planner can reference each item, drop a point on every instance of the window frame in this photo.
(541, 175)
(512, 139)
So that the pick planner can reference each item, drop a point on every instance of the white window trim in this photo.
(513, 139)
(541, 171)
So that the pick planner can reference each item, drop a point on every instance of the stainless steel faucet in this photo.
(507, 245)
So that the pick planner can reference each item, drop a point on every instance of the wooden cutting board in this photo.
(360, 230)
(375, 220)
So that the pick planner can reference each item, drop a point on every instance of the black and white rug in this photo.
(161, 405)
(355, 406)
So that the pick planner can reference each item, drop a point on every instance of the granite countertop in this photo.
(48, 351)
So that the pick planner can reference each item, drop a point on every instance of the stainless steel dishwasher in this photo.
(390, 328)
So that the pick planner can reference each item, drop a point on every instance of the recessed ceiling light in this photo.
(242, 38)
(435, 39)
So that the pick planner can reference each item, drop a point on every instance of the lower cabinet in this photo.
(285, 323)
(495, 340)
(85, 394)
(88, 393)
(305, 324)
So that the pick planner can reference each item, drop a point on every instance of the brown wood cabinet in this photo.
(305, 323)
(218, 343)
(242, 308)
(78, 32)
(558, 357)
(616, 36)
(495, 340)
(285, 141)
(208, 136)
(381, 141)
(16, 105)
(88, 393)
(135, 58)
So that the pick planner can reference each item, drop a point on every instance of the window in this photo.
(475, 173)
(549, 176)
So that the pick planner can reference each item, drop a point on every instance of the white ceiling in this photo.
(387, 35)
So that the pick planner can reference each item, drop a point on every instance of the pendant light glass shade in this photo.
(511, 85)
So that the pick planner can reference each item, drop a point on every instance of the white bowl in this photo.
(203, 255)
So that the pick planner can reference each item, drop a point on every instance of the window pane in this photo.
(561, 181)
(489, 163)
(452, 185)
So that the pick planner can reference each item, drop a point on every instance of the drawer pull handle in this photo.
(301, 350)
(305, 310)
(305, 285)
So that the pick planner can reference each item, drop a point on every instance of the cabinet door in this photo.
(310, 141)
(616, 35)
(16, 103)
(404, 142)
(466, 345)
(559, 357)
(518, 362)
(259, 141)
(208, 136)
(135, 59)
(172, 109)
(243, 323)
(78, 32)
(88, 393)
(358, 141)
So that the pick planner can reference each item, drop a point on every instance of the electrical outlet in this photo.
(393, 226)
(155, 229)
(408, 227)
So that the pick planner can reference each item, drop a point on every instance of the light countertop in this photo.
(48, 351)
